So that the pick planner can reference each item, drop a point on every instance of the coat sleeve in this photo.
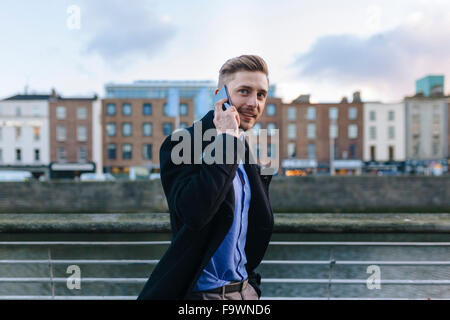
(196, 191)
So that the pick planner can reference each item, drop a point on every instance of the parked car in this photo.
(15, 175)
(97, 177)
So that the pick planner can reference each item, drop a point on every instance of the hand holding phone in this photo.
(226, 120)
(222, 94)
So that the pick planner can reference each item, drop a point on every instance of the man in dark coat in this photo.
(220, 213)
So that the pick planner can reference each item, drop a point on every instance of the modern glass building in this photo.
(202, 91)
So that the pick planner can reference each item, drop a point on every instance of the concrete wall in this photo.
(292, 194)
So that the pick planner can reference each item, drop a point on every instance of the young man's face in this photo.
(248, 93)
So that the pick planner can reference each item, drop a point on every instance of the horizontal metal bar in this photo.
(289, 243)
(82, 243)
(90, 261)
(357, 243)
(85, 280)
(356, 262)
(270, 280)
(135, 297)
(287, 262)
(68, 298)
(355, 281)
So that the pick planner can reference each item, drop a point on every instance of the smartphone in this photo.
(222, 94)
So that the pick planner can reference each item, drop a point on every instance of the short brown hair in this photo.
(242, 63)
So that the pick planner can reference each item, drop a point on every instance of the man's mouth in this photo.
(248, 115)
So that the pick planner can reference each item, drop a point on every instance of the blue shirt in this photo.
(228, 262)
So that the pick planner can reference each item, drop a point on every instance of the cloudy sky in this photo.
(325, 48)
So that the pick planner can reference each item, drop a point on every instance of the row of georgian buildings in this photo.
(61, 137)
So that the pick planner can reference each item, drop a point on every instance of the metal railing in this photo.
(329, 281)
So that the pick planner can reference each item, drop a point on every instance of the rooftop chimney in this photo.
(357, 96)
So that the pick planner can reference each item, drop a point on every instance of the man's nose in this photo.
(252, 100)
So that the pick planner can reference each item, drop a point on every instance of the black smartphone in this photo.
(222, 94)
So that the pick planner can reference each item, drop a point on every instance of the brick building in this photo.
(307, 129)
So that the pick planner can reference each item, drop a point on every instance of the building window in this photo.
(184, 125)
(167, 128)
(391, 153)
(111, 129)
(126, 109)
(127, 151)
(311, 151)
(372, 116)
(18, 155)
(111, 109)
(37, 156)
(18, 132)
(352, 131)
(82, 133)
(372, 133)
(352, 113)
(336, 151)
(60, 133)
(352, 151)
(291, 150)
(333, 113)
(147, 129)
(147, 109)
(292, 131)
(435, 148)
(292, 113)
(81, 113)
(333, 131)
(311, 131)
(271, 109)
(18, 112)
(62, 154)
(184, 109)
(271, 127)
(257, 128)
(36, 133)
(147, 152)
(311, 113)
(60, 112)
(126, 129)
(271, 150)
(82, 154)
(36, 112)
(391, 115)
(111, 150)
(372, 153)
(1, 155)
(165, 109)
(391, 132)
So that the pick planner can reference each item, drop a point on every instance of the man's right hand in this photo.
(227, 121)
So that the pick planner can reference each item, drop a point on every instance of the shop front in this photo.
(299, 167)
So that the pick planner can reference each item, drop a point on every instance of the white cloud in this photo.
(123, 32)
(388, 61)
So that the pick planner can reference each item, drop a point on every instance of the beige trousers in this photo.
(248, 293)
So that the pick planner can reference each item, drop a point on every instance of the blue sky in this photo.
(324, 48)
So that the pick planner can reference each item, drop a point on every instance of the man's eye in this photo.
(244, 91)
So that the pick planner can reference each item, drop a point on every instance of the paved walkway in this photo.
(284, 222)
